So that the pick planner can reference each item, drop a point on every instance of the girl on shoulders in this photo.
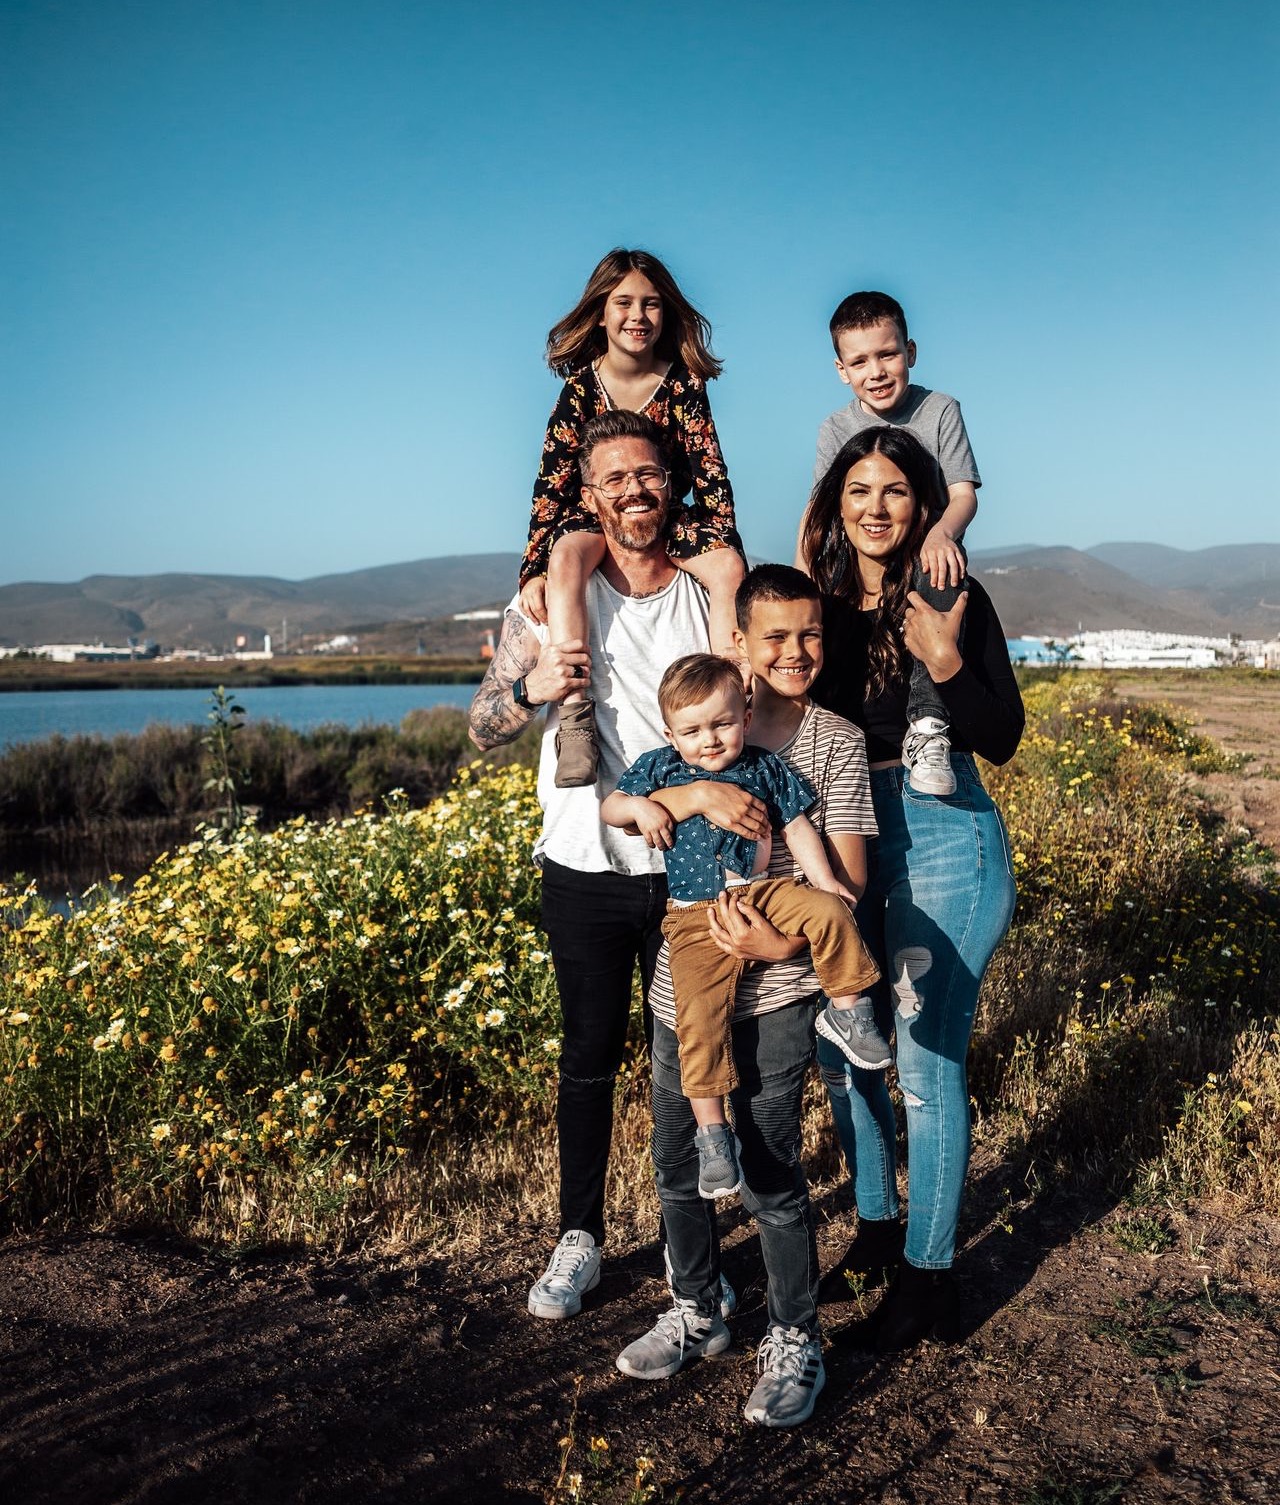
(634, 341)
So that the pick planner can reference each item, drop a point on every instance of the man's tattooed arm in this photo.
(495, 718)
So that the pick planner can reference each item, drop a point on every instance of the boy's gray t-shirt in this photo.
(933, 417)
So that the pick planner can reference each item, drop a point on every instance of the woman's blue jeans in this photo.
(939, 900)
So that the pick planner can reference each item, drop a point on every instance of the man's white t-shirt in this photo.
(633, 641)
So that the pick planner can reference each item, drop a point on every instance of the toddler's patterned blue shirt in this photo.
(696, 863)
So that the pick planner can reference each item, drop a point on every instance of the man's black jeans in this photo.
(599, 926)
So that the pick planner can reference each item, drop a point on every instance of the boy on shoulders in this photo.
(874, 357)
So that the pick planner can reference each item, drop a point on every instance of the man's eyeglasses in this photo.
(648, 478)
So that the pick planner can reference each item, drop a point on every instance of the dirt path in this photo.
(1243, 715)
(142, 1371)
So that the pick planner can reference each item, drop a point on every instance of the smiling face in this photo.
(877, 508)
(876, 362)
(711, 733)
(783, 645)
(636, 519)
(632, 316)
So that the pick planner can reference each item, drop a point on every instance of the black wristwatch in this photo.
(521, 696)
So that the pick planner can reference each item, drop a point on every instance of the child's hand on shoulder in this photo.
(533, 599)
(941, 557)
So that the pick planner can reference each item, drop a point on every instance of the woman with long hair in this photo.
(940, 890)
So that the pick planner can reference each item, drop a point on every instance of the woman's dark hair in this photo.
(579, 338)
(833, 561)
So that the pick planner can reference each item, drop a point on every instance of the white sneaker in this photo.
(728, 1296)
(926, 753)
(573, 1271)
(791, 1377)
(678, 1336)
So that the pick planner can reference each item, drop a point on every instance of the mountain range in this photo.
(1041, 592)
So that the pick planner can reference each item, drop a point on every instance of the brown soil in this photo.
(140, 1371)
(143, 1371)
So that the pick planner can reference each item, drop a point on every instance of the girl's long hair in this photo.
(579, 338)
(833, 561)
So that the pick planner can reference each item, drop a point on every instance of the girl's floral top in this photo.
(680, 409)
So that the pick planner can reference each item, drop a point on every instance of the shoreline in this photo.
(150, 674)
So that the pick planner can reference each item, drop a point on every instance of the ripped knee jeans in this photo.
(939, 900)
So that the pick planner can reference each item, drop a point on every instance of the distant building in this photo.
(95, 653)
(1134, 649)
(1130, 648)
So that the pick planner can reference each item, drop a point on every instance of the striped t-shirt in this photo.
(830, 752)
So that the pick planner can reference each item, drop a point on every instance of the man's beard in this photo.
(636, 534)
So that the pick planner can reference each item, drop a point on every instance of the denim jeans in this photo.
(939, 900)
(599, 926)
(922, 695)
(773, 1052)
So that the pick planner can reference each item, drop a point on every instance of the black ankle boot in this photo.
(919, 1304)
(871, 1258)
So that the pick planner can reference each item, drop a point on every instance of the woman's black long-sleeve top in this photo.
(982, 698)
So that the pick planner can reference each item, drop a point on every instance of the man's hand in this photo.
(561, 669)
(941, 557)
(739, 929)
(533, 599)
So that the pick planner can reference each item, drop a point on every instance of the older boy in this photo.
(780, 633)
(874, 357)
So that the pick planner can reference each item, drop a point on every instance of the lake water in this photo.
(28, 715)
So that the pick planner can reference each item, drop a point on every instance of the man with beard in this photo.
(604, 891)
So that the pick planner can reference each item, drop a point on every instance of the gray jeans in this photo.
(923, 698)
(772, 1052)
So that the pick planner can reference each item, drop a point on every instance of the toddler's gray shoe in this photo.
(574, 1270)
(679, 1335)
(718, 1172)
(856, 1033)
(791, 1378)
(926, 754)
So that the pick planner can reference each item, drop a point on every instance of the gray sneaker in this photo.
(791, 1377)
(718, 1173)
(679, 1335)
(926, 752)
(856, 1033)
(573, 1271)
(728, 1296)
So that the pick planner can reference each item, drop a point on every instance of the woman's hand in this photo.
(934, 636)
(739, 929)
(533, 599)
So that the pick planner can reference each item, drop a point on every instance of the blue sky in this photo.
(275, 277)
